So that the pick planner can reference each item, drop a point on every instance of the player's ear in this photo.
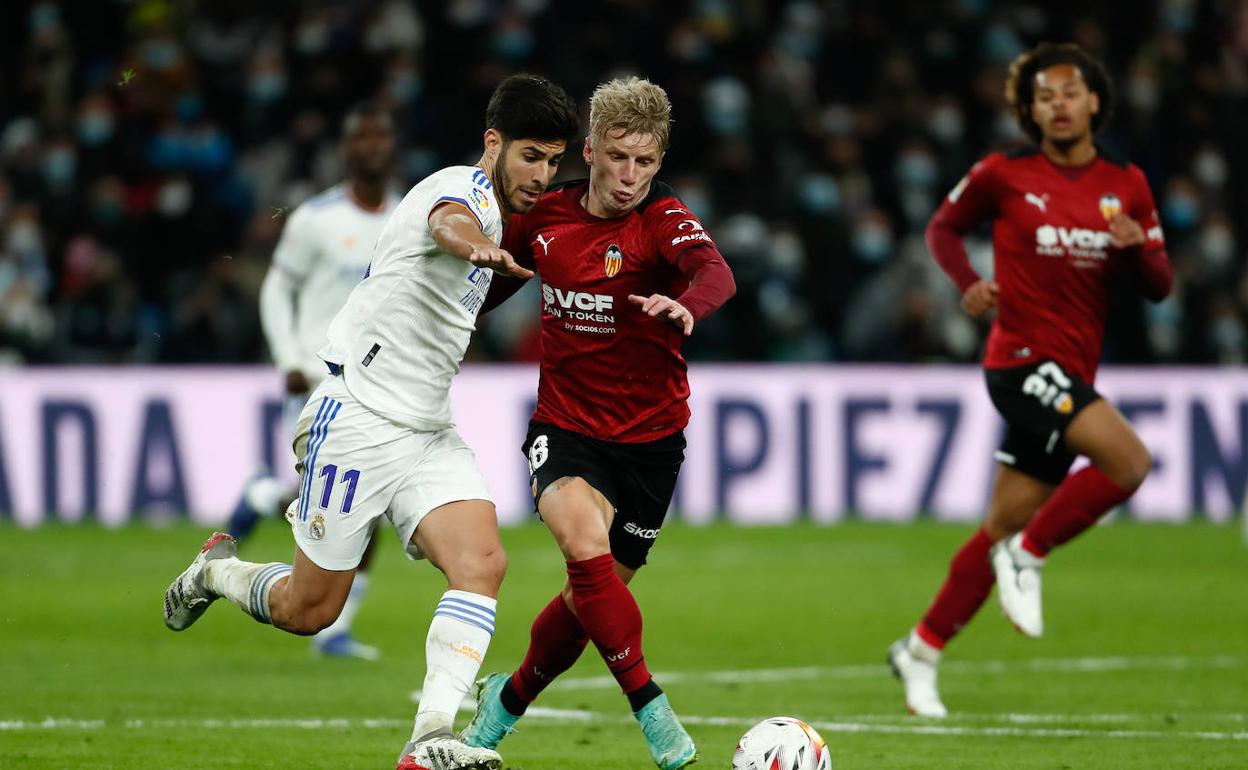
(493, 143)
(1094, 103)
(587, 152)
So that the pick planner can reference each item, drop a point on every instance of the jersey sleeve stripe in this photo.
(461, 202)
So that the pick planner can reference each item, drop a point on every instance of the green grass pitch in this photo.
(1144, 663)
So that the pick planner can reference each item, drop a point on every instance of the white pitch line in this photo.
(873, 670)
(578, 715)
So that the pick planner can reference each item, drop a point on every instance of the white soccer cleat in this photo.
(447, 753)
(1018, 585)
(344, 645)
(918, 676)
(187, 598)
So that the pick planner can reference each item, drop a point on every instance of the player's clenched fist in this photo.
(981, 298)
(665, 308)
(1125, 232)
(498, 260)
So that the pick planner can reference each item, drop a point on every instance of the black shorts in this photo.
(1038, 401)
(637, 479)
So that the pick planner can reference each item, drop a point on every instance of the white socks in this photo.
(355, 597)
(459, 636)
(922, 650)
(245, 583)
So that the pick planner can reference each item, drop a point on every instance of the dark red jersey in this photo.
(1052, 252)
(609, 370)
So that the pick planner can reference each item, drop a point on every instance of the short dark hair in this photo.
(530, 107)
(1020, 85)
(365, 109)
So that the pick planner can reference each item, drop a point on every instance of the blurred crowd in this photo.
(150, 149)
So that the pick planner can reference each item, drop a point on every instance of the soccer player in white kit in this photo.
(376, 439)
(323, 253)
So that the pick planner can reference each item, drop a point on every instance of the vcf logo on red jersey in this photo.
(581, 311)
(1078, 242)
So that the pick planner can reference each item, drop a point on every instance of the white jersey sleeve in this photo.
(403, 332)
(299, 247)
(296, 255)
(323, 253)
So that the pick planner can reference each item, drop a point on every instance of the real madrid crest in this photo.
(613, 261)
(1111, 206)
(317, 528)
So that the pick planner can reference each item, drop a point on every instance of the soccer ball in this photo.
(782, 743)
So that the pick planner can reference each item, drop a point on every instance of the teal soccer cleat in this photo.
(492, 723)
(670, 746)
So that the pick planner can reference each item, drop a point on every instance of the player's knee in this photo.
(1128, 466)
(1138, 464)
(480, 571)
(586, 546)
(579, 531)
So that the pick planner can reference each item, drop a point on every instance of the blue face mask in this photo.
(873, 244)
(267, 87)
(819, 194)
(160, 55)
(190, 108)
(59, 166)
(514, 44)
(698, 202)
(95, 128)
(725, 107)
(916, 169)
(1181, 211)
(43, 17)
(406, 87)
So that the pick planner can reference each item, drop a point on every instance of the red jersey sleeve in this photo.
(519, 245)
(1156, 274)
(680, 239)
(972, 202)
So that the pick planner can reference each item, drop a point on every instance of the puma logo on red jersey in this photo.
(1040, 202)
(545, 243)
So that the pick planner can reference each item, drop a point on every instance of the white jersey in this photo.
(323, 253)
(403, 332)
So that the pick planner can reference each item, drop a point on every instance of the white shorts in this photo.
(356, 466)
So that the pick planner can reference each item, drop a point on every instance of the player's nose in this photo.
(628, 174)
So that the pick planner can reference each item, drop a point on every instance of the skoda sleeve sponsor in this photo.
(767, 444)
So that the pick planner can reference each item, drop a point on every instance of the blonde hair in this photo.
(633, 104)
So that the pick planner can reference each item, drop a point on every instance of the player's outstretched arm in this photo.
(711, 282)
(457, 233)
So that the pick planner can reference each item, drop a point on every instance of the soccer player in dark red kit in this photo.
(1067, 221)
(627, 271)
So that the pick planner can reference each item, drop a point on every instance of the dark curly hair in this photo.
(526, 106)
(1020, 85)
